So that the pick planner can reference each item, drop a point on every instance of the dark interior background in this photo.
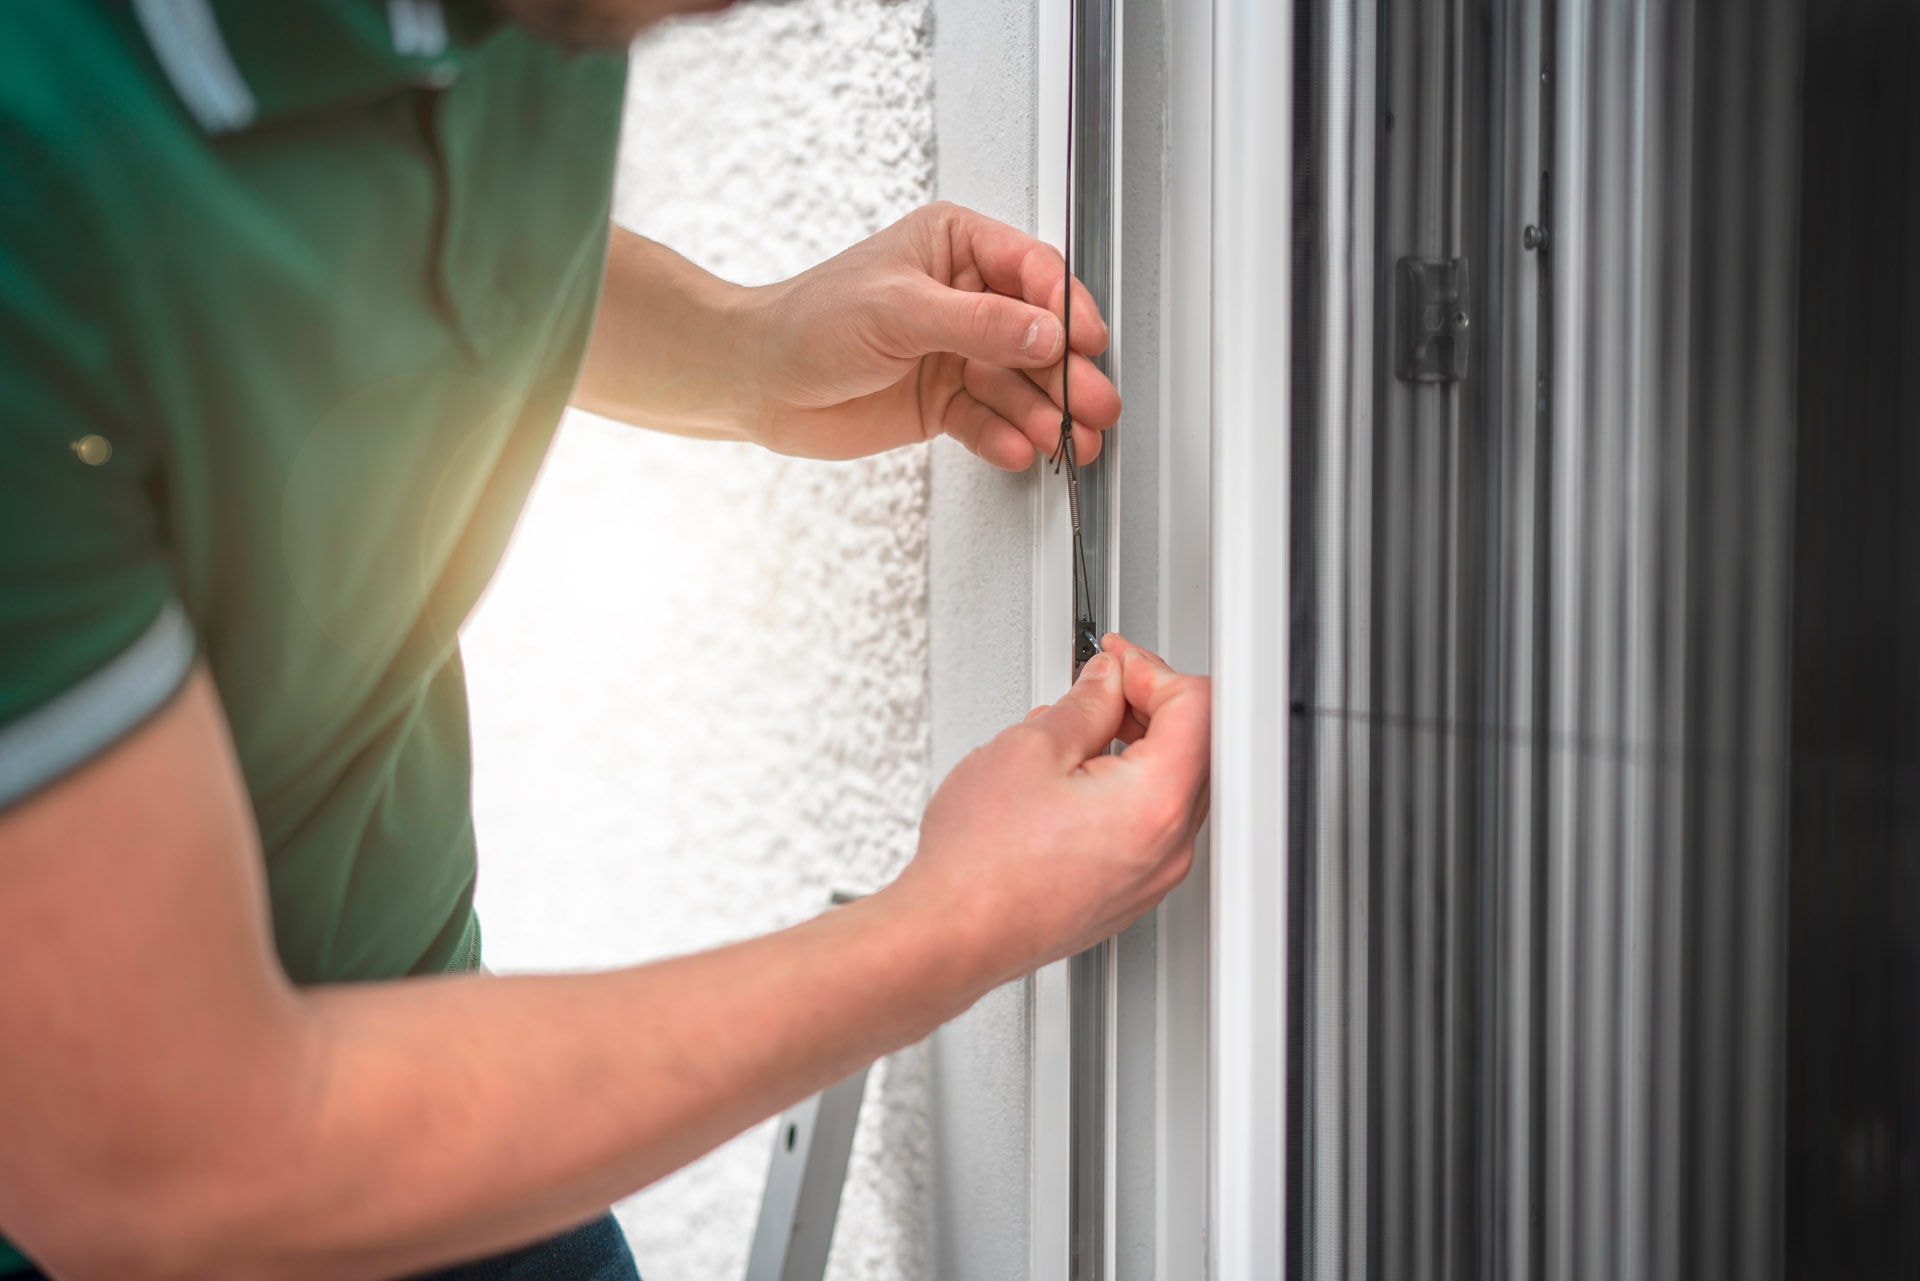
(1853, 1084)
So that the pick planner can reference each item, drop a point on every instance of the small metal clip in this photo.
(1085, 643)
(1433, 320)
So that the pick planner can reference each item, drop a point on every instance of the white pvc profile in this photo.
(1105, 515)
(1050, 1174)
(1252, 239)
(1183, 951)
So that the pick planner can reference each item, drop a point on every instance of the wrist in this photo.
(742, 316)
(748, 317)
(974, 951)
(674, 347)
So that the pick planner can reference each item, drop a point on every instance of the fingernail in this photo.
(1097, 667)
(1043, 335)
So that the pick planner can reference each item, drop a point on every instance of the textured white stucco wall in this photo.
(699, 683)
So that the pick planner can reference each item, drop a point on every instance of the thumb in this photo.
(1087, 718)
(988, 327)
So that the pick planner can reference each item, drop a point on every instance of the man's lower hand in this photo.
(1040, 844)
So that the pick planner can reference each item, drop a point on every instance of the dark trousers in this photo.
(596, 1252)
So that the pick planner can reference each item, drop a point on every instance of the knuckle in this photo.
(1026, 742)
(930, 229)
(1163, 814)
(929, 220)
(977, 379)
(1041, 270)
(983, 322)
(1181, 863)
(1176, 867)
(896, 290)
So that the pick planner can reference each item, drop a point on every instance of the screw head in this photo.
(92, 450)
(1532, 238)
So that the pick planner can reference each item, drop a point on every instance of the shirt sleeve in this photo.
(92, 640)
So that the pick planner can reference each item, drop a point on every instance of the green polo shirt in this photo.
(292, 295)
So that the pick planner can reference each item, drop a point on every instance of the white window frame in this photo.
(1220, 1067)
(1184, 951)
(1251, 341)
(1050, 1187)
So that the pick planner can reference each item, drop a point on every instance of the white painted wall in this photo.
(700, 682)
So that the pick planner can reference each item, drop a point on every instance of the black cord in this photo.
(1063, 452)
(1086, 641)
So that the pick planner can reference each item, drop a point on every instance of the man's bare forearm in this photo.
(674, 347)
(468, 1115)
(207, 1120)
(457, 1117)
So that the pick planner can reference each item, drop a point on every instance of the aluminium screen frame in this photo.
(1072, 1162)
(1183, 953)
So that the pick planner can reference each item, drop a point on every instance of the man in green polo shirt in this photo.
(292, 296)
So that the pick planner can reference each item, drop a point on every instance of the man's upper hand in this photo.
(947, 321)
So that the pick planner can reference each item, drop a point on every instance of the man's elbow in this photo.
(189, 1192)
(169, 1226)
